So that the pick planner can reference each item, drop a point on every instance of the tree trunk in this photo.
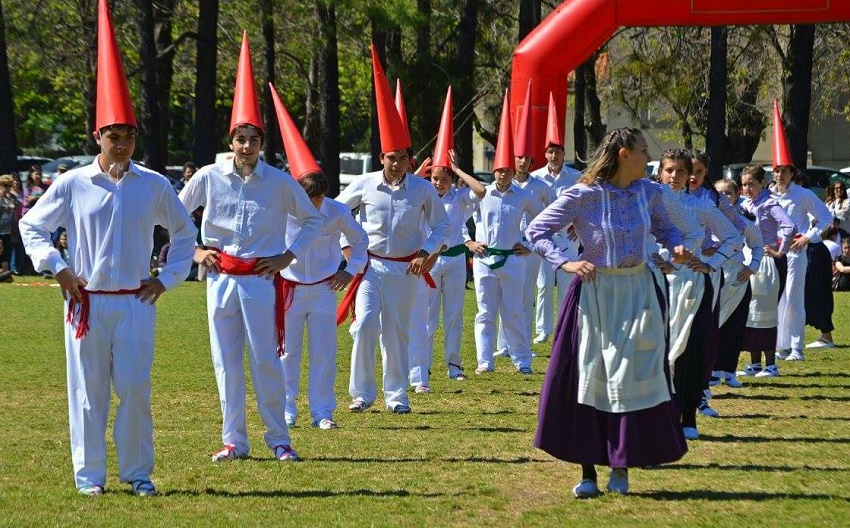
(425, 112)
(163, 16)
(206, 138)
(152, 142)
(272, 147)
(379, 40)
(8, 141)
(595, 127)
(327, 69)
(88, 18)
(579, 132)
(529, 17)
(799, 92)
(717, 79)
(464, 84)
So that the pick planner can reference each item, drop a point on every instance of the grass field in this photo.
(779, 455)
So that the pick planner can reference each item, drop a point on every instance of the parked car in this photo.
(48, 170)
(652, 169)
(25, 163)
(352, 165)
(486, 178)
(818, 177)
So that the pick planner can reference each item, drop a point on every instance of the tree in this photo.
(529, 17)
(464, 86)
(8, 143)
(205, 83)
(798, 95)
(272, 142)
(717, 80)
(150, 120)
(327, 70)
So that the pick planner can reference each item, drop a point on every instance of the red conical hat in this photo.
(113, 95)
(301, 160)
(445, 137)
(553, 130)
(394, 136)
(504, 158)
(246, 106)
(401, 108)
(781, 155)
(522, 142)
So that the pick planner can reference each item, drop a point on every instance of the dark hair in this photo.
(314, 184)
(685, 156)
(730, 182)
(701, 157)
(603, 163)
(247, 125)
(120, 126)
(190, 165)
(756, 171)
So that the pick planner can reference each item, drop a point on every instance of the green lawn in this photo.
(779, 455)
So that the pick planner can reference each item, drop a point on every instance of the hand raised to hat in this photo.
(268, 267)
(150, 290)
(71, 284)
(419, 171)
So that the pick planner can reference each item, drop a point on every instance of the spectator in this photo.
(62, 246)
(838, 204)
(34, 189)
(189, 170)
(841, 274)
(10, 213)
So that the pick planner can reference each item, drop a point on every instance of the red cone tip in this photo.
(504, 158)
(445, 137)
(394, 137)
(781, 154)
(246, 106)
(522, 141)
(301, 160)
(113, 105)
(553, 129)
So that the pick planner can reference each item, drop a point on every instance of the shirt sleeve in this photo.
(438, 220)
(297, 204)
(684, 220)
(46, 216)
(356, 238)
(194, 193)
(542, 228)
(172, 215)
(752, 235)
(785, 227)
(731, 240)
(822, 218)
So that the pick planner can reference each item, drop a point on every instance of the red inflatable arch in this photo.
(577, 28)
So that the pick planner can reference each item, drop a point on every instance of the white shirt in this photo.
(540, 191)
(498, 215)
(561, 181)
(322, 257)
(458, 204)
(394, 218)
(248, 218)
(110, 227)
(809, 214)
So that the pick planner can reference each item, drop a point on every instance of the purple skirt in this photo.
(759, 339)
(583, 434)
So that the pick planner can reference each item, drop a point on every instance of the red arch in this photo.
(577, 28)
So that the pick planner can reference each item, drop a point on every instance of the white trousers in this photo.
(314, 309)
(792, 305)
(420, 349)
(383, 308)
(532, 267)
(240, 309)
(497, 292)
(118, 349)
(450, 275)
(545, 304)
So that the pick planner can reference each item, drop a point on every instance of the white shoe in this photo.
(770, 371)
(795, 355)
(542, 337)
(750, 370)
(821, 343)
(502, 352)
(585, 489)
(325, 423)
(228, 452)
(618, 482)
(783, 354)
(690, 433)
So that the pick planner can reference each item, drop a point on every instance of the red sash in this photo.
(346, 307)
(78, 314)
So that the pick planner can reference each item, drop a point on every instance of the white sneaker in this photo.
(618, 482)
(325, 423)
(228, 452)
(690, 433)
(542, 337)
(770, 371)
(783, 354)
(821, 343)
(501, 352)
(795, 355)
(285, 453)
(750, 370)
(585, 489)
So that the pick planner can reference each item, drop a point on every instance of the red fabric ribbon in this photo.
(346, 307)
(78, 313)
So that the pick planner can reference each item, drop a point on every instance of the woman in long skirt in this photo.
(606, 397)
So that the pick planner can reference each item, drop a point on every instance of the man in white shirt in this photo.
(109, 209)
(392, 205)
(248, 205)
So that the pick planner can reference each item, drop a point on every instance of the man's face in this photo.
(117, 144)
(504, 177)
(522, 163)
(441, 179)
(395, 163)
(555, 158)
(246, 144)
(782, 175)
(674, 174)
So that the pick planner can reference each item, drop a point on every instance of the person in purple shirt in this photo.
(606, 399)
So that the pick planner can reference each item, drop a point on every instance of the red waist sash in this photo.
(78, 313)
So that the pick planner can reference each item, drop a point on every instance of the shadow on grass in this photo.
(771, 439)
(303, 494)
(827, 398)
(816, 374)
(752, 467)
(793, 417)
(802, 386)
(737, 396)
(471, 459)
(715, 495)
(496, 429)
